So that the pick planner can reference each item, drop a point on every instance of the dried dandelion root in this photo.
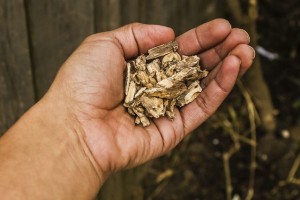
(160, 81)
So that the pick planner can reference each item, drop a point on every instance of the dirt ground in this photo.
(196, 168)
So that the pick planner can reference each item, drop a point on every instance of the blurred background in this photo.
(248, 150)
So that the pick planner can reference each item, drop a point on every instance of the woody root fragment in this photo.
(158, 82)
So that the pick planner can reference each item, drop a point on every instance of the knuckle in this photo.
(202, 103)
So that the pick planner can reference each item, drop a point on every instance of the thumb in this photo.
(136, 38)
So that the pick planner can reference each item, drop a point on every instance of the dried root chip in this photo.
(159, 82)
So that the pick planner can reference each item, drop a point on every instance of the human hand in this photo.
(88, 90)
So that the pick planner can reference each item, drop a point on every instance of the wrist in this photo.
(67, 134)
(46, 150)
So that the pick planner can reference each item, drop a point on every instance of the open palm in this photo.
(91, 83)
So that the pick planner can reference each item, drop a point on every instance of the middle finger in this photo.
(213, 56)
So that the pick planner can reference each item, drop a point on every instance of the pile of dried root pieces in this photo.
(157, 82)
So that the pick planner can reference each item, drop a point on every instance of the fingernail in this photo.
(253, 56)
(247, 36)
(228, 24)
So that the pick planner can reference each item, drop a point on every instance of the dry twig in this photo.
(251, 113)
(232, 129)
(291, 179)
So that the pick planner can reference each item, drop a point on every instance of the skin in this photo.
(79, 133)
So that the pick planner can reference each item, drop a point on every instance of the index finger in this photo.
(137, 38)
(203, 37)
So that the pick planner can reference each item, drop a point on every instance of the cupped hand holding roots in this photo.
(93, 94)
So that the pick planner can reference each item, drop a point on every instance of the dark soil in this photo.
(195, 169)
